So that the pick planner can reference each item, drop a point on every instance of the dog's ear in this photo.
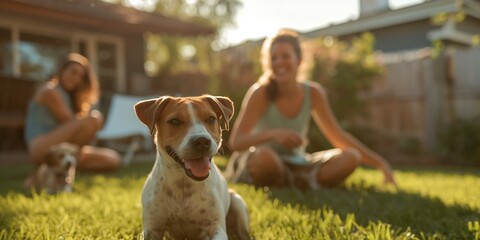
(148, 110)
(74, 149)
(223, 107)
(69, 147)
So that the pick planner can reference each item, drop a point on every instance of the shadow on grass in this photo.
(12, 177)
(400, 209)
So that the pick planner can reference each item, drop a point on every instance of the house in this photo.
(35, 34)
(413, 27)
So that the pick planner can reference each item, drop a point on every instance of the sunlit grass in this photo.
(428, 204)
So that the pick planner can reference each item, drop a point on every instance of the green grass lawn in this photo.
(433, 203)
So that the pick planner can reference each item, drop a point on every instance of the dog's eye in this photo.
(174, 122)
(211, 120)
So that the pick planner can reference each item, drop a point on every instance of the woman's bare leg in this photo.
(77, 131)
(98, 159)
(339, 166)
(266, 168)
(91, 125)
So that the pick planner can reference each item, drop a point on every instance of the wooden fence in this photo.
(418, 95)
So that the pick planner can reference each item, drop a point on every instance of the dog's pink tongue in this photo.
(200, 167)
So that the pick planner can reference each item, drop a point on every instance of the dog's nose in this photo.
(201, 143)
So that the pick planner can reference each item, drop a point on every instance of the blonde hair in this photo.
(282, 36)
(87, 94)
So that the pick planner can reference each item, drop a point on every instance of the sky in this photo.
(257, 19)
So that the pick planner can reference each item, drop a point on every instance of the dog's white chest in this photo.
(183, 208)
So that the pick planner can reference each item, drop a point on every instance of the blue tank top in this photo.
(273, 118)
(39, 118)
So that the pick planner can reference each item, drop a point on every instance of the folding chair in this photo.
(123, 125)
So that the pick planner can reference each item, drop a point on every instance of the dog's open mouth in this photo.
(196, 168)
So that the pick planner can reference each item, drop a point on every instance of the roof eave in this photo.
(386, 19)
(108, 17)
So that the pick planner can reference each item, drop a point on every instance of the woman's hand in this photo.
(388, 175)
(287, 138)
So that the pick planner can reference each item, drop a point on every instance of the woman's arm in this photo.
(339, 138)
(254, 105)
(51, 97)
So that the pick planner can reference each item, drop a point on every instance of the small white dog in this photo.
(185, 196)
(57, 173)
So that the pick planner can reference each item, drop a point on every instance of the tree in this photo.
(170, 54)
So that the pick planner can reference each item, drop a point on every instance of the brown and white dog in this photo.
(57, 173)
(185, 196)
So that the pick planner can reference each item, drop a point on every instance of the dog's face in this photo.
(188, 129)
(58, 172)
(62, 156)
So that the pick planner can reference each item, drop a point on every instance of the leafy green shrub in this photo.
(345, 70)
(460, 142)
(410, 145)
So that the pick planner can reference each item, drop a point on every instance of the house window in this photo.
(6, 56)
(39, 56)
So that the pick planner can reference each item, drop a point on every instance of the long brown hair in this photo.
(268, 79)
(87, 93)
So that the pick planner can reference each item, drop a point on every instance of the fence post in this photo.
(434, 70)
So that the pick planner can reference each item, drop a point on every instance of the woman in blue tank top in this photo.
(270, 133)
(61, 111)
